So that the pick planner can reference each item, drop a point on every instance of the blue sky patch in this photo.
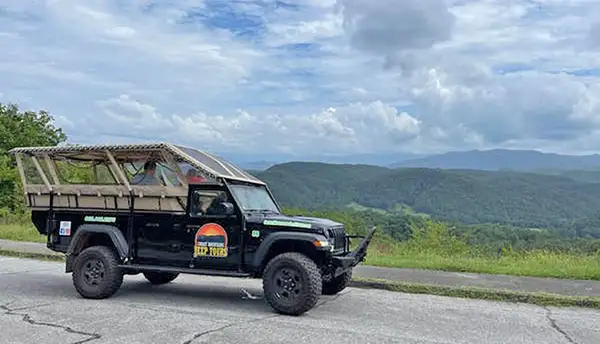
(300, 50)
(224, 15)
(22, 16)
(512, 68)
(286, 5)
(585, 72)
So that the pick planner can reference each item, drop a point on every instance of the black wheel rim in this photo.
(93, 272)
(288, 285)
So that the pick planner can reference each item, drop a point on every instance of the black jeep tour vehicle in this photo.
(163, 209)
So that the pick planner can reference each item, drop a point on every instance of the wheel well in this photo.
(85, 239)
(289, 245)
(93, 239)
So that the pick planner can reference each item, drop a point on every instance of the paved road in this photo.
(39, 305)
(454, 279)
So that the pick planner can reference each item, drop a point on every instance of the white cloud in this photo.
(308, 76)
(385, 27)
(353, 128)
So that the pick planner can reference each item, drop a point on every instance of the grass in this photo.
(434, 248)
(32, 255)
(20, 232)
(535, 264)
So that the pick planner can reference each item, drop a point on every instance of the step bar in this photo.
(206, 272)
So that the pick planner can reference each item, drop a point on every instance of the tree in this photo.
(18, 129)
(27, 128)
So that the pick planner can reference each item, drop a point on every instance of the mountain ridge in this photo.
(527, 199)
(503, 159)
(489, 160)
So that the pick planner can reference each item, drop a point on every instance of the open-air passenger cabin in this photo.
(104, 177)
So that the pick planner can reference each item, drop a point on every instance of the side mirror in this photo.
(227, 208)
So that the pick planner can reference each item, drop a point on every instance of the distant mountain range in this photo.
(488, 160)
(504, 159)
(262, 162)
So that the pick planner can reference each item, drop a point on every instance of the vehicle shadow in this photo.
(183, 293)
(209, 294)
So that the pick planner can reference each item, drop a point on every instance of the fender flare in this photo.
(263, 249)
(116, 237)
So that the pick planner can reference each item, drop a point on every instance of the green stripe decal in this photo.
(105, 219)
(287, 223)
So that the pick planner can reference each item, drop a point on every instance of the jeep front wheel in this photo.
(292, 283)
(160, 277)
(96, 273)
(335, 285)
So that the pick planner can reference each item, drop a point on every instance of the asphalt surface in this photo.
(38, 304)
(453, 279)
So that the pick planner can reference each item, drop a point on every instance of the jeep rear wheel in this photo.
(292, 283)
(335, 285)
(96, 273)
(160, 277)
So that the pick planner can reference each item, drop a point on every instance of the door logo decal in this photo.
(210, 241)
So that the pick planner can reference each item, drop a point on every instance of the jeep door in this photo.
(212, 232)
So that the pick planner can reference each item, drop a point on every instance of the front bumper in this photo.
(349, 260)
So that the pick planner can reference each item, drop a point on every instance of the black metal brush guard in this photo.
(350, 259)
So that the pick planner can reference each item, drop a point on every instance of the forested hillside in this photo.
(314, 185)
(588, 176)
(466, 196)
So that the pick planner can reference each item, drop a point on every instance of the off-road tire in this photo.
(157, 278)
(306, 278)
(108, 271)
(337, 284)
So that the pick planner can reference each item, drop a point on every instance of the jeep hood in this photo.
(294, 221)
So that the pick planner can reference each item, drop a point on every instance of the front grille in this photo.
(339, 235)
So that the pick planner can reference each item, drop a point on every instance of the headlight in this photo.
(321, 243)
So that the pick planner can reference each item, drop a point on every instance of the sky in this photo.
(266, 78)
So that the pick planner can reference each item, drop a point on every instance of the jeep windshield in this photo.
(254, 198)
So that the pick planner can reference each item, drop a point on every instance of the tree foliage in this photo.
(18, 129)
(27, 128)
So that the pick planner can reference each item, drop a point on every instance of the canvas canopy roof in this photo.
(208, 163)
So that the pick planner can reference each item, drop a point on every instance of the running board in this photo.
(157, 268)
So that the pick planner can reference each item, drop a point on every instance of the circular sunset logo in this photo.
(211, 240)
